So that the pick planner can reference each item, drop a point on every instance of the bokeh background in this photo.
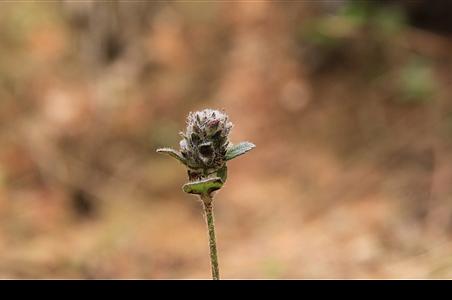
(348, 102)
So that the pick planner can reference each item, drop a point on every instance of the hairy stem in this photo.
(207, 201)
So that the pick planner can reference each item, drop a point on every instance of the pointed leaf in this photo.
(176, 154)
(204, 186)
(239, 149)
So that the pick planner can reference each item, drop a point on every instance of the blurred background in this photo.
(348, 102)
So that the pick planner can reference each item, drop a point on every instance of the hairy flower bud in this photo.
(205, 140)
(205, 146)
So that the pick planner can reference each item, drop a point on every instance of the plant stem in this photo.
(207, 201)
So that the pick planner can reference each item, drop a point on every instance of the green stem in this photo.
(207, 201)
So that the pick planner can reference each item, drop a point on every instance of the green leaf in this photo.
(176, 154)
(204, 186)
(223, 173)
(239, 149)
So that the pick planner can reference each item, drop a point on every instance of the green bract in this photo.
(203, 186)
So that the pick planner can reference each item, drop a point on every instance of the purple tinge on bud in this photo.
(205, 139)
(213, 123)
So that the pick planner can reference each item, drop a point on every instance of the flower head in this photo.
(205, 145)
(205, 140)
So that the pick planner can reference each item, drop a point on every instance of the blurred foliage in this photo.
(330, 30)
(416, 81)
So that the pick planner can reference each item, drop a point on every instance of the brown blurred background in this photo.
(348, 102)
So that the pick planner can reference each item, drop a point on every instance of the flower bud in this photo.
(205, 140)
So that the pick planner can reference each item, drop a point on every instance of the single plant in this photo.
(204, 150)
